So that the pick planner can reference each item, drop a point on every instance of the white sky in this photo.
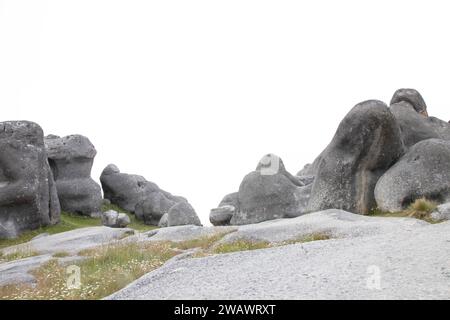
(191, 94)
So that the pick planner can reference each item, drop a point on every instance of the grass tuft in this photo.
(419, 209)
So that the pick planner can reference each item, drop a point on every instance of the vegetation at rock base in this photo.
(68, 222)
(105, 270)
(71, 221)
(419, 209)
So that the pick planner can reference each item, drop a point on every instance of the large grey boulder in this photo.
(269, 192)
(28, 198)
(366, 144)
(182, 214)
(123, 189)
(71, 159)
(410, 111)
(222, 215)
(424, 171)
(143, 198)
(151, 209)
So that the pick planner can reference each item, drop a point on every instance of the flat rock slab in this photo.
(334, 223)
(72, 241)
(411, 264)
(17, 271)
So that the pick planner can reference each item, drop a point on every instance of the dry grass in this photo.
(310, 237)
(419, 209)
(240, 245)
(18, 254)
(106, 270)
(109, 268)
(203, 243)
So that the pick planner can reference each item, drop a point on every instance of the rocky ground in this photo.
(331, 254)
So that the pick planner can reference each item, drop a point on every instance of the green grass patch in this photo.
(61, 254)
(135, 223)
(309, 238)
(240, 245)
(106, 270)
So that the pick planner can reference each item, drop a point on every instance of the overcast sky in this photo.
(191, 94)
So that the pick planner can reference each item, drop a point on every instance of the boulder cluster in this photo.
(42, 176)
(381, 157)
(145, 199)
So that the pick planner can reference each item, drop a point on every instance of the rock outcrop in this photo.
(71, 159)
(182, 214)
(145, 199)
(114, 219)
(269, 192)
(366, 144)
(28, 198)
(424, 171)
(410, 111)
(123, 189)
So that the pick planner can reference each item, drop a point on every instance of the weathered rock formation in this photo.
(28, 198)
(145, 199)
(410, 111)
(366, 144)
(269, 192)
(71, 159)
(424, 171)
(182, 214)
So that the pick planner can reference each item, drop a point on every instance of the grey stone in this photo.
(28, 198)
(230, 200)
(137, 195)
(221, 216)
(113, 219)
(18, 271)
(185, 233)
(366, 144)
(413, 264)
(424, 171)
(331, 223)
(124, 190)
(410, 111)
(442, 212)
(153, 207)
(71, 159)
(269, 192)
(163, 221)
(72, 241)
(182, 214)
(411, 97)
